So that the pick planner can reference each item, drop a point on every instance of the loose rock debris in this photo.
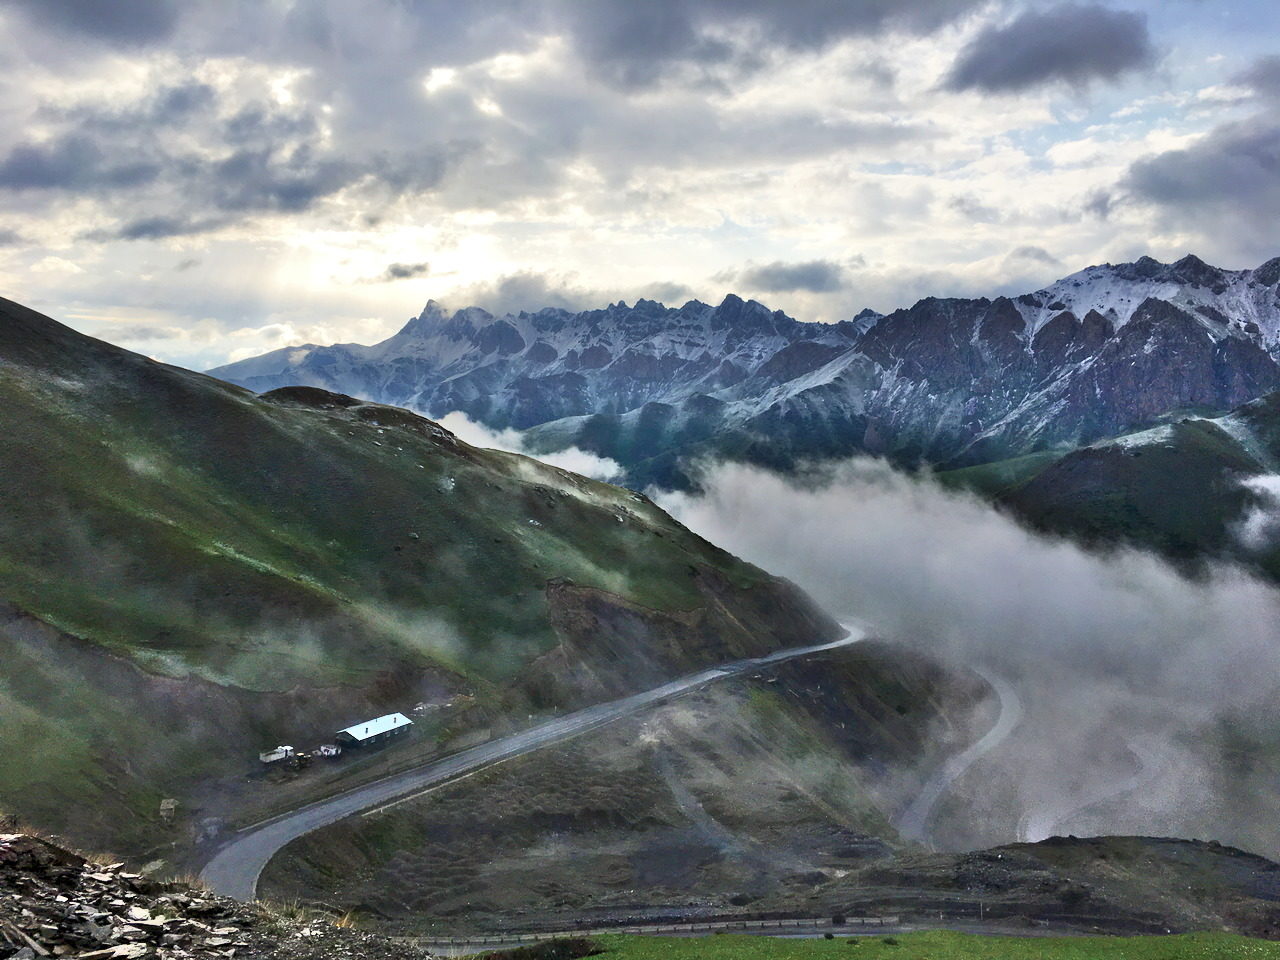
(55, 903)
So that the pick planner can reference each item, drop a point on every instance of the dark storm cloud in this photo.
(202, 168)
(635, 44)
(405, 271)
(1263, 76)
(179, 101)
(814, 276)
(1234, 170)
(668, 292)
(529, 290)
(123, 22)
(265, 179)
(256, 123)
(1229, 180)
(71, 162)
(1099, 203)
(167, 107)
(192, 156)
(1033, 254)
(155, 228)
(1069, 43)
(974, 209)
(152, 228)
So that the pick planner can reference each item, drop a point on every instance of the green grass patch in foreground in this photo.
(939, 945)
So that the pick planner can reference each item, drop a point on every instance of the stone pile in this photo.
(55, 903)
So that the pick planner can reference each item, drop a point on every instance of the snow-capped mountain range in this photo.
(949, 381)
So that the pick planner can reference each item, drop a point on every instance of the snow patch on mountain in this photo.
(1226, 300)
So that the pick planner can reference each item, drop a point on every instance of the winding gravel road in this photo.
(913, 824)
(235, 869)
(1152, 763)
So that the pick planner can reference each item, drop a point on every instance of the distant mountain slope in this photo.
(1107, 350)
(525, 369)
(190, 573)
(1186, 489)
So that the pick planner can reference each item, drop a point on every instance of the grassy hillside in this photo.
(941, 945)
(192, 573)
(1175, 489)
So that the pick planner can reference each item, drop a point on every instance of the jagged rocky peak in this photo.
(501, 337)
(1144, 267)
(435, 319)
(1269, 273)
(744, 316)
(1190, 270)
(648, 308)
(432, 317)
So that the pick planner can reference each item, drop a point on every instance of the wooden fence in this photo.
(701, 926)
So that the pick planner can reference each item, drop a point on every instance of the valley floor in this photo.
(941, 945)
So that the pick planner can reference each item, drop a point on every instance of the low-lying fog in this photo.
(512, 441)
(1150, 699)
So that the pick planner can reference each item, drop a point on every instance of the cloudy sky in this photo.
(202, 180)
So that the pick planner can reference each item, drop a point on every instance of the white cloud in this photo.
(1260, 526)
(1115, 654)
(572, 458)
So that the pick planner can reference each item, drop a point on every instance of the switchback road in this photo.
(913, 824)
(235, 869)
(1152, 763)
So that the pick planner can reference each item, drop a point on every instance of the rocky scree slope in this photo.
(190, 574)
(947, 381)
(54, 902)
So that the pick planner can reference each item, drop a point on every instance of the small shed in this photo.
(374, 731)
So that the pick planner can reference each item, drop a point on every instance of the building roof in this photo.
(371, 728)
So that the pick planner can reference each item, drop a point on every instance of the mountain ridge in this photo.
(948, 381)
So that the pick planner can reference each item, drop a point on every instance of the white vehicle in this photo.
(276, 755)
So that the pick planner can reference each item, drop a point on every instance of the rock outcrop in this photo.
(55, 903)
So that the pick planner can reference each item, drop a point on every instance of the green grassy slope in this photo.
(941, 945)
(1175, 489)
(1001, 476)
(1179, 494)
(192, 571)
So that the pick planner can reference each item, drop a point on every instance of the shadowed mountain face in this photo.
(528, 369)
(1107, 350)
(1195, 489)
(190, 574)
